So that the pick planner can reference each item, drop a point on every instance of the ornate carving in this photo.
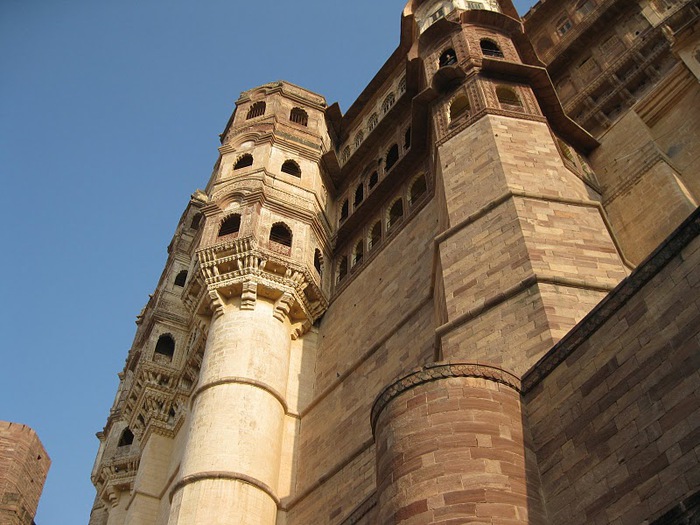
(249, 295)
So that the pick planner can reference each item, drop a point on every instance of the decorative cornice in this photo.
(438, 372)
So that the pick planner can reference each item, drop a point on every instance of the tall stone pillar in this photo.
(231, 465)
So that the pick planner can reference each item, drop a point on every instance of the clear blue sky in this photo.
(109, 119)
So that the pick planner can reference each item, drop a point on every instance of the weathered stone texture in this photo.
(24, 465)
(615, 426)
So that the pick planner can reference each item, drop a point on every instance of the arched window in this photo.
(564, 25)
(418, 189)
(181, 278)
(346, 154)
(299, 116)
(388, 102)
(448, 58)
(373, 121)
(373, 179)
(281, 234)
(392, 156)
(359, 138)
(460, 106)
(342, 268)
(256, 110)
(375, 235)
(402, 86)
(395, 214)
(489, 48)
(126, 439)
(407, 139)
(165, 347)
(292, 168)
(508, 97)
(318, 261)
(358, 252)
(344, 210)
(194, 225)
(359, 195)
(243, 161)
(585, 7)
(232, 224)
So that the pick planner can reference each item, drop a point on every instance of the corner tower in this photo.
(260, 260)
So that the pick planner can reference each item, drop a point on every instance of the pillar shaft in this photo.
(230, 467)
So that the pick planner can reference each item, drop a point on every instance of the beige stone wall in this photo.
(615, 424)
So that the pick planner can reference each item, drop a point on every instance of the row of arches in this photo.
(289, 166)
(489, 48)
(296, 115)
(391, 157)
(373, 120)
(279, 232)
(508, 98)
(392, 217)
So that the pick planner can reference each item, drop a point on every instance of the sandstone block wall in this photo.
(616, 424)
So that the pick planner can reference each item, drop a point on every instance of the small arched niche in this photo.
(165, 348)
(281, 234)
(291, 167)
(489, 48)
(447, 58)
(243, 161)
(395, 214)
(256, 110)
(299, 116)
(460, 106)
(126, 438)
(231, 224)
(181, 278)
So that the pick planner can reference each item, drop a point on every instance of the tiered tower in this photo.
(349, 307)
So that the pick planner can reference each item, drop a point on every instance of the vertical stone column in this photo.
(450, 446)
(230, 468)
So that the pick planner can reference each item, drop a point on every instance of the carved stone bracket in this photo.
(249, 295)
(283, 306)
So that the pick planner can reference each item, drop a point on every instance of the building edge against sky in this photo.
(412, 312)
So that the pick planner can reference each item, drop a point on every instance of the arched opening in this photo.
(448, 58)
(508, 97)
(196, 220)
(418, 189)
(256, 110)
(281, 234)
(342, 268)
(375, 235)
(392, 156)
(344, 210)
(243, 161)
(126, 439)
(318, 261)
(181, 278)
(358, 252)
(346, 154)
(407, 138)
(373, 179)
(359, 195)
(460, 106)
(395, 214)
(373, 121)
(388, 103)
(232, 224)
(359, 138)
(299, 116)
(402, 85)
(291, 167)
(489, 48)
(165, 347)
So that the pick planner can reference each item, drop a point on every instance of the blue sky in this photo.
(109, 119)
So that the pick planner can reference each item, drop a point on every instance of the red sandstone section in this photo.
(24, 465)
(616, 423)
(451, 450)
